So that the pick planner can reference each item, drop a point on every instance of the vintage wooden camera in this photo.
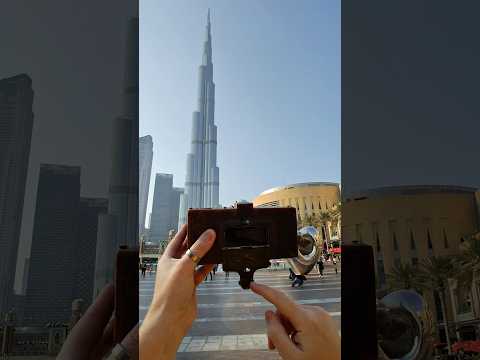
(246, 237)
(126, 292)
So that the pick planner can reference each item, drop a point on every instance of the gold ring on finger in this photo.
(191, 255)
(293, 337)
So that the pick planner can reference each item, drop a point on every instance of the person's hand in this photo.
(92, 335)
(174, 304)
(299, 332)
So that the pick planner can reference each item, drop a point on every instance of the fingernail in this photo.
(208, 235)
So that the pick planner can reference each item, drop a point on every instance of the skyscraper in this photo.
(176, 196)
(16, 121)
(55, 232)
(202, 178)
(123, 190)
(120, 225)
(145, 157)
(64, 238)
(166, 201)
(86, 246)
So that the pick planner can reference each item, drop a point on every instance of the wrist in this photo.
(159, 335)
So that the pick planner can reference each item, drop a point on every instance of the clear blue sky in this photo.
(277, 75)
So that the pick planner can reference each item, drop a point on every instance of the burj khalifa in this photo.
(202, 177)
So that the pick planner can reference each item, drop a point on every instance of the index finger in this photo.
(284, 304)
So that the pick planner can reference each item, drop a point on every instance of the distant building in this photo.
(145, 157)
(16, 121)
(26, 267)
(85, 253)
(61, 264)
(182, 211)
(310, 199)
(120, 225)
(407, 224)
(202, 178)
(54, 243)
(177, 194)
(165, 208)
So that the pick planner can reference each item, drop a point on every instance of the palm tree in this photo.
(404, 276)
(336, 210)
(468, 263)
(302, 222)
(308, 220)
(336, 214)
(434, 273)
(325, 218)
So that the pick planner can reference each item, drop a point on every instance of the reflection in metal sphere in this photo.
(309, 250)
(404, 326)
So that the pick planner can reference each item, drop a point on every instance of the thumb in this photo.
(279, 337)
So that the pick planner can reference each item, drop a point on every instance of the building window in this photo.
(397, 262)
(468, 333)
(274, 203)
(445, 240)
(395, 243)
(378, 243)
(358, 232)
(429, 240)
(313, 208)
(414, 262)
(319, 205)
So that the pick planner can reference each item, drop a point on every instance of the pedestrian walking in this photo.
(299, 279)
(335, 265)
(227, 275)
(320, 267)
(291, 276)
(143, 268)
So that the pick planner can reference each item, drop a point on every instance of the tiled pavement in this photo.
(230, 322)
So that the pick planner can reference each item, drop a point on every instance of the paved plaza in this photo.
(230, 322)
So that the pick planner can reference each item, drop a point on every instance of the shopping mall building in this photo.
(310, 199)
(409, 223)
